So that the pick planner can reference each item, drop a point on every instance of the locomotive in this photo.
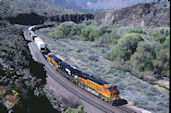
(104, 90)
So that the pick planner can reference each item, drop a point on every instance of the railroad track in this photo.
(50, 71)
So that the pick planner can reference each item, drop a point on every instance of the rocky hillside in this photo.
(20, 84)
(145, 15)
(96, 5)
(38, 11)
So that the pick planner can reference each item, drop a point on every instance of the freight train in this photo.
(102, 89)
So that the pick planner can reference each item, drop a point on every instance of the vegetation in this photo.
(90, 33)
(126, 47)
(131, 47)
(80, 109)
(161, 33)
(66, 29)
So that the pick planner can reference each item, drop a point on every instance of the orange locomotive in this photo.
(53, 59)
(98, 87)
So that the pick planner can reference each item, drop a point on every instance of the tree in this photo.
(66, 29)
(69, 110)
(161, 33)
(129, 43)
(80, 109)
(90, 33)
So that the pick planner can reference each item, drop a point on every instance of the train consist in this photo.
(104, 90)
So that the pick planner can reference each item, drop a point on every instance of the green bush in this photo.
(105, 39)
(129, 43)
(80, 109)
(161, 33)
(116, 54)
(69, 110)
(152, 56)
(66, 29)
(103, 30)
(87, 22)
(135, 30)
(162, 62)
(90, 33)
(117, 33)
(141, 61)
(166, 43)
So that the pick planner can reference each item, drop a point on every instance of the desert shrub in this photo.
(80, 109)
(87, 22)
(66, 29)
(142, 60)
(117, 33)
(126, 46)
(90, 33)
(135, 30)
(160, 34)
(162, 62)
(151, 56)
(116, 53)
(105, 39)
(103, 30)
(165, 44)
(69, 110)
(81, 26)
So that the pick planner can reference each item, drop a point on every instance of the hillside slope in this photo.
(146, 16)
(30, 12)
(95, 5)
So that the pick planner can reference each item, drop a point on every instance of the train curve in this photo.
(48, 68)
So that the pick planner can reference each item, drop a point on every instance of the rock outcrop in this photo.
(30, 12)
(33, 18)
(146, 16)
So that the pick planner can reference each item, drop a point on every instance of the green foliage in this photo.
(135, 30)
(166, 43)
(116, 53)
(117, 33)
(152, 56)
(129, 43)
(66, 29)
(90, 33)
(142, 60)
(105, 39)
(161, 33)
(162, 62)
(87, 22)
(82, 26)
(103, 30)
(80, 109)
(126, 47)
(69, 110)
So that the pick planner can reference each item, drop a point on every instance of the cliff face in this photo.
(32, 18)
(30, 12)
(146, 16)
